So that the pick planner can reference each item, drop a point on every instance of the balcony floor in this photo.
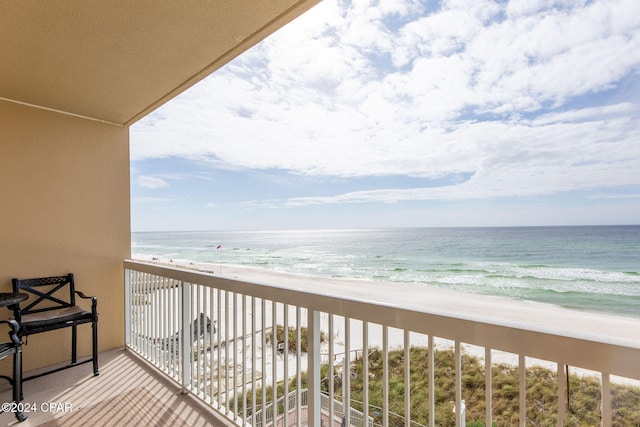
(121, 371)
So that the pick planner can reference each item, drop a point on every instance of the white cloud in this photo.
(589, 114)
(616, 196)
(491, 88)
(151, 182)
(153, 199)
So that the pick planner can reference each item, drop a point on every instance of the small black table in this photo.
(9, 299)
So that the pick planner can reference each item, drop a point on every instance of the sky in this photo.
(394, 113)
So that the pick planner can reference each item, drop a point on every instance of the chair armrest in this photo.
(81, 295)
(94, 301)
(14, 332)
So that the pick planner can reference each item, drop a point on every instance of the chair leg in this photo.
(17, 382)
(94, 327)
(74, 341)
(18, 375)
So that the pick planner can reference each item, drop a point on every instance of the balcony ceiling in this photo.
(118, 60)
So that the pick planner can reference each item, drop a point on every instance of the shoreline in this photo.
(490, 309)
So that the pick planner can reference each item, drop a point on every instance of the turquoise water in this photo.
(593, 268)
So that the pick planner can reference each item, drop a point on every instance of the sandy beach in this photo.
(544, 317)
(530, 315)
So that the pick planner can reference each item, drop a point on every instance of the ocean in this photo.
(591, 268)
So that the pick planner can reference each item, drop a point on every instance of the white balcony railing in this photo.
(232, 364)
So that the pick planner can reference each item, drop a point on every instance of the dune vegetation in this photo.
(542, 392)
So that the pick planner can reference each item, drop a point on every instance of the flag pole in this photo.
(219, 247)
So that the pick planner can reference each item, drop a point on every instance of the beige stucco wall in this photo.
(64, 207)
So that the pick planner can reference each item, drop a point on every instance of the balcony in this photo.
(223, 369)
(128, 391)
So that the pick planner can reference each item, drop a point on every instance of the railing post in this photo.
(432, 383)
(407, 379)
(186, 333)
(313, 368)
(562, 395)
(607, 415)
(522, 379)
(127, 307)
(385, 376)
(458, 384)
(299, 398)
(488, 389)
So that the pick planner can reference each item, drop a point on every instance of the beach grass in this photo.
(542, 392)
(292, 342)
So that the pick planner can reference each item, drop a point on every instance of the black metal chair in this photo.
(14, 348)
(54, 308)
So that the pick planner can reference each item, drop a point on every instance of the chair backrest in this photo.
(51, 293)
